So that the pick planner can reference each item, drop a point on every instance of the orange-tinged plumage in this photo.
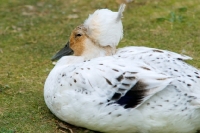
(77, 40)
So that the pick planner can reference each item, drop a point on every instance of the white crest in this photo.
(105, 26)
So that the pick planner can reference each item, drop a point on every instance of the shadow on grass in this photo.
(68, 128)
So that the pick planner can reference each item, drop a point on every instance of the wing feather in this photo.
(122, 82)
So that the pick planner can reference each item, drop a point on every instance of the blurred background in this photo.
(32, 31)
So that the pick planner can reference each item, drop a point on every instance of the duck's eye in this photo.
(78, 35)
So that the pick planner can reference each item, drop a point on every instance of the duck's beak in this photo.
(63, 52)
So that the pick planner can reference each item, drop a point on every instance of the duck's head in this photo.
(97, 36)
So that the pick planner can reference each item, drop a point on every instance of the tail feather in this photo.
(120, 11)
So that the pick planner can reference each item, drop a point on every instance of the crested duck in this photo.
(127, 90)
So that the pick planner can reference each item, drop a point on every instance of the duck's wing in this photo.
(122, 82)
(162, 60)
(187, 77)
(134, 51)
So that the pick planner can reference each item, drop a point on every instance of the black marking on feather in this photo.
(115, 70)
(191, 97)
(120, 78)
(124, 84)
(108, 81)
(155, 50)
(184, 109)
(161, 79)
(114, 86)
(116, 96)
(74, 80)
(130, 78)
(63, 74)
(188, 84)
(121, 90)
(139, 86)
(118, 115)
(175, 105)
(145, 68)
(134, 96)
(133, 72)
(179, 80)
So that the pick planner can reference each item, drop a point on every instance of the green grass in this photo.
(31, 31)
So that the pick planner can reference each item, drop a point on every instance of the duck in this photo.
(134, 89)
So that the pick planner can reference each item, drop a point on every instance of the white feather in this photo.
(77, 92)
(138, 89)
(105, 27)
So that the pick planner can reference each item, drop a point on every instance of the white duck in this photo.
(128, 90)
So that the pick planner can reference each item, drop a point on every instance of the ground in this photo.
(32, 31)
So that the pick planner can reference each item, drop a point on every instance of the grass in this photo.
(32, 31)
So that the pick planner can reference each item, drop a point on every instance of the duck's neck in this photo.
(92, 50)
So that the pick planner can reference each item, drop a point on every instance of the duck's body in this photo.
(136, 89)
(88, 93)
